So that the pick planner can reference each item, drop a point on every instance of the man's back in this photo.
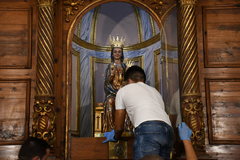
(142, 103)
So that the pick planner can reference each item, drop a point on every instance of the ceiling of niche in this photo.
(117, 18)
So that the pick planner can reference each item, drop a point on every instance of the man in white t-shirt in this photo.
(145, 108)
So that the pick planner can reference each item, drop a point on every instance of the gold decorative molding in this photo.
(139, 59)
(94, 26)
(157, 7)
(137, 46)
(44, 114)
(144, 44)
(44, 3)
(188, 2)
(98, 118)
(152, 26)
(169, 60)
(71, 7)
(79, 28)
(44, 119)
(75, 53)
(77, 93)
(90, 46)
(168, 47)
(139, 23)
(164, 16)
(193, 115)
(189, 72)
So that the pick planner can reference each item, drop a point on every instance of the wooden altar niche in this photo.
(212, 73)
(215, 75)
(190, 95)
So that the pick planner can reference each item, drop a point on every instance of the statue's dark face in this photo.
(117, 53)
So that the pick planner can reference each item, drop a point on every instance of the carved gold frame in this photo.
(77, 107)
(188, 62)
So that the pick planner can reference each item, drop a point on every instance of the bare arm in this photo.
(190, 153)
(185, 133)
(119, 122)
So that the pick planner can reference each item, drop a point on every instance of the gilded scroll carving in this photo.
(44, 119)
(193, 116)
(158, 6)
(71, 7)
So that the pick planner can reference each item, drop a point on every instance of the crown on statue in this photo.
(116, 41)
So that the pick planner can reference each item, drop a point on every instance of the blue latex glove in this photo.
(109, 136)
(184, 131)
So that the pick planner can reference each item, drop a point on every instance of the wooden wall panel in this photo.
(223, 105)
(93, 148)
(14, 110)
(221, 36)
(15, 38)
(17, 73)
(218, 27)
(9, 152)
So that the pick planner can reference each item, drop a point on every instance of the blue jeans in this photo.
(153, 138)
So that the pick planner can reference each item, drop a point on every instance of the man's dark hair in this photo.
(135, 73)
(33, 147)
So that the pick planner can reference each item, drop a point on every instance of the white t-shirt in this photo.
(142, 103)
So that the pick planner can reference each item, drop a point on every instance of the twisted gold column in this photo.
(192, 108)
(44, 114)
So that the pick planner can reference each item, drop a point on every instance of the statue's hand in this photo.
(129, 63)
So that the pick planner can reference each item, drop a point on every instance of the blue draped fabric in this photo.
(85, 85)
(148, 57)
(85, 97)
(146, 24)
(86, 25)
